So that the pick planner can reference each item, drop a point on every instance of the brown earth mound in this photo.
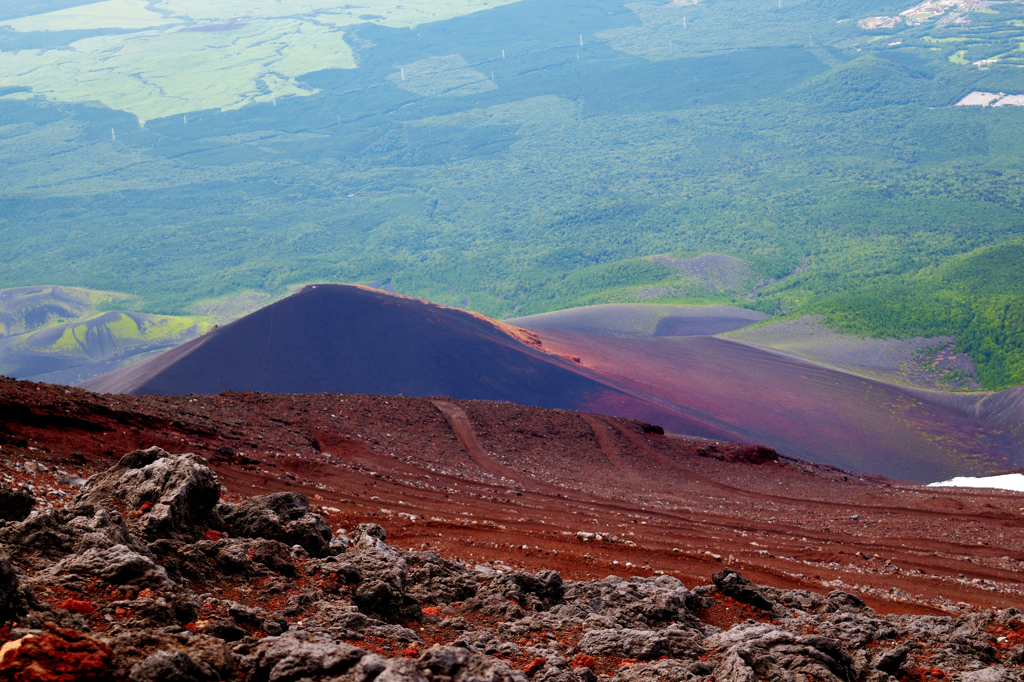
(806, 410)
(498, 484)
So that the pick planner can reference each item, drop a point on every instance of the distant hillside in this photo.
(60, 334)
(643, 320)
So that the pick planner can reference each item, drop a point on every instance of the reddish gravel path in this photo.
(531, 479)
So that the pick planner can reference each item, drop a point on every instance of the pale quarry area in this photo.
(991, 99)
(946, 11)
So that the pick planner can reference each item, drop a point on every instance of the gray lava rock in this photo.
(104, 529)
(733, 585)
(285, 517)
(665, 671)
(175, 493)
(648, 602)
(805, 600)
(370, 536)
(764, 652)
(172, 665)
(40, 539)
(855, 629)
(892, 660)
(295, 655)
(275, 556)
(987, 675)
(134, 647)
(15, 505)
(839, 601)
(401, 670)
(8, 581)
(434, 580)
(532, 592)
(626, 643)
(117, 565)
(455, 664)
(378, 577)
(209, 559)
(395, 633)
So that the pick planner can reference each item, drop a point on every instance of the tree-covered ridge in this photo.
(839, 172)
(978, 297)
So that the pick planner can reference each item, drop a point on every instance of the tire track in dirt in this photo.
(463, 429)
(604, 441)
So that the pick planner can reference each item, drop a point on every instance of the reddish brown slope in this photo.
(548, 475)
(798, 408)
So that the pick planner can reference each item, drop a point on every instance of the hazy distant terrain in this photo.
(526, 157)
(61, 335)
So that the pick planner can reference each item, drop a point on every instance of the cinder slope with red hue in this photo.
(798, 408)
(488, 482)
(349, 339)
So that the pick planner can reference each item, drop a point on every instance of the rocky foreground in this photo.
(147, 575)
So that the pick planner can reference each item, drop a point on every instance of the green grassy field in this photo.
(515, 171)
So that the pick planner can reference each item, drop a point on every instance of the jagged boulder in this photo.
(164, 495)
(667, 670)
(532, 592)
(285, 517)
(767, 652)
(105, 528)
(648, 602)
(8, 581)
(117, 565)
(148, 655)
(838, 601)
(172, 665)
(432, 579)
(15, 505)
(733, 585)
(376, 574)
(41, 538)
(370, 536)
(625, 643)
(459, 665)
(300, 654)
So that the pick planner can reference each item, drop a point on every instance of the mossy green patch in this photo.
(958, 57)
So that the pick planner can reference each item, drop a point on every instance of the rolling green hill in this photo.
(526, 157)
(65, 335)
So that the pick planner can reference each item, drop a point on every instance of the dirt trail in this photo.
(603, 434)
(463, 429)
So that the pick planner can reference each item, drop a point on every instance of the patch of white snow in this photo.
(1004, 482)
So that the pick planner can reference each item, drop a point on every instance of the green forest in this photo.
(828, 157)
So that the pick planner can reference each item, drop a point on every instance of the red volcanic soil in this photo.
(798, 408)
(498, 482)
